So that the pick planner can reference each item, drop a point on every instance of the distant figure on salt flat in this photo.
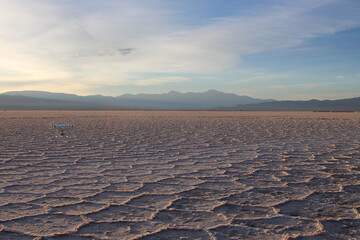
(62, 127)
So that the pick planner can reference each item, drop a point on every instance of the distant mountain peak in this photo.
(34, 93)
(174, 92)
(213, 91)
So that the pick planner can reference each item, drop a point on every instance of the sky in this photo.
(279, 49)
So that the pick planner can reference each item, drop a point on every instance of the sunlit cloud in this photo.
(103, 52)
(159, 81)
(89, 44)
(261, 76)
(303, 86)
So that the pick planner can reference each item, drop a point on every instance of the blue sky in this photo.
(277, 49)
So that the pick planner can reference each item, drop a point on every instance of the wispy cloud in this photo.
(262, 76)
(92, 43)
(340, 77)
(302, 86)
(159, 81)
(103, 52)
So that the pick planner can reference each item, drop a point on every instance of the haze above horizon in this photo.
(261, 48)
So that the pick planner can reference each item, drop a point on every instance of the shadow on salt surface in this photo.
(207, 194)
(192, 204)
(156, 202)
(55, 201)
(186, 234)
(119, 230)
(110, 197)
(168, 189)
(260, 181)
(124, 187)
(78, 209)
(283, 225)
(323, 206)
(345, 227)
(265, 196)
(190, 219)
(7, 235)
(245, 212)
(18, 210)
(6, 198)
(342, 229)
(241, 232)
(317, 184)
(182, 181)
(30, 188)
(45, 224)
(70, 192)
(321, 236)
(71, 237)
(121, 213)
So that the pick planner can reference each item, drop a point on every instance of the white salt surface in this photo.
(179, 175)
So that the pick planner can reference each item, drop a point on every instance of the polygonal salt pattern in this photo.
(179, 175)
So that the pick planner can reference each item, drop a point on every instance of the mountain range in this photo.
(173, 100)
(209, 100)
(350, 104)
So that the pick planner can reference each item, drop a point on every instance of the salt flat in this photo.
(180, 175)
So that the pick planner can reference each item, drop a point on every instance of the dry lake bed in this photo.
(179, 175)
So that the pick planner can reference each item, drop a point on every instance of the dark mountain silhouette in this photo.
(32, 103)
(209, 100)
(172, 100)
(351, 104)
(176, 100)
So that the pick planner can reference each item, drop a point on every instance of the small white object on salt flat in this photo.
(62, 126)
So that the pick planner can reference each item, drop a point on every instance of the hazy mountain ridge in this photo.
(32, 103)
(191, 100)
(350, 104)
(209, 100)
(172, 100)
